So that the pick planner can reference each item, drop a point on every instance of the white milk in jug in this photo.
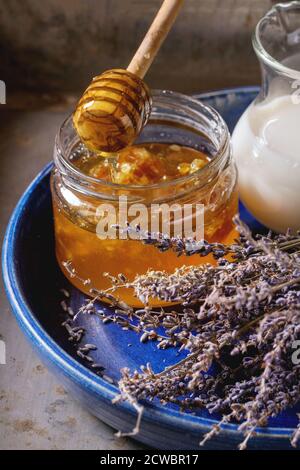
(266, 148)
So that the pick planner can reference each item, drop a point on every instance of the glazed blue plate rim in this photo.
(69, 366)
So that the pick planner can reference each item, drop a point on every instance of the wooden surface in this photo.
(35, 411)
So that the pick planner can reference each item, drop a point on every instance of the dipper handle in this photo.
(154, 38)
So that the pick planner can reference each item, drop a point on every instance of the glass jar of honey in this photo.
(182, 157)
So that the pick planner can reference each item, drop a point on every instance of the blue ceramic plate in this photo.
(33, 281)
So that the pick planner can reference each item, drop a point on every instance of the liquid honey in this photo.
(144, 164)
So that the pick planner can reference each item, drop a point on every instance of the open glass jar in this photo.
(175, 119)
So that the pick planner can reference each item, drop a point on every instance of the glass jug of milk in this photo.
(266, 140)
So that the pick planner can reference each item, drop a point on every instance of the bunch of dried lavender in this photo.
(240, 317)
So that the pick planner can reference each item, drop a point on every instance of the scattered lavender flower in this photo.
(241, 316)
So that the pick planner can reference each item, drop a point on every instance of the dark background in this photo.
(55, 46)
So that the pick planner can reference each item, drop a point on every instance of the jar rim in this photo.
(258, 44)
(214, 163)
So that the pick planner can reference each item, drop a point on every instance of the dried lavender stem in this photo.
(242, 316)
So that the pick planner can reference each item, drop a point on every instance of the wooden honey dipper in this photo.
(117, 104)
